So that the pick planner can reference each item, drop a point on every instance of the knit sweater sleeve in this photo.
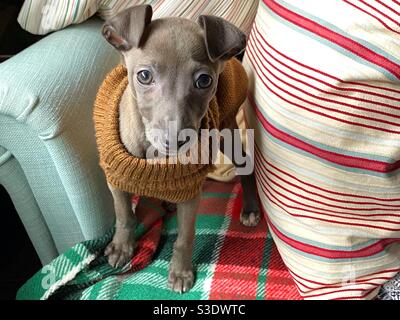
(232, 92)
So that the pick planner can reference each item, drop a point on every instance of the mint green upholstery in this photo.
(14, 180)
(48, 158)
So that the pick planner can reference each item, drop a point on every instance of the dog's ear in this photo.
(223, 39)
(126, 29)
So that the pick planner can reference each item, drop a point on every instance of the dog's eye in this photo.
(204, 81)
(145, 77)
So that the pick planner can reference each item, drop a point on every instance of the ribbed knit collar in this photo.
(158, 178)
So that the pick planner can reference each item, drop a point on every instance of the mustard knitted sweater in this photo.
(160, 178)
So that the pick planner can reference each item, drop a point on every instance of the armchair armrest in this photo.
(47, 84)
(46, 99)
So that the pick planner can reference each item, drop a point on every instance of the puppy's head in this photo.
(173, 65)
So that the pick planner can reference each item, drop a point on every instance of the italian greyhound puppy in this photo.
(173, 66)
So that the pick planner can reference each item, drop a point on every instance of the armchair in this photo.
(48, 157)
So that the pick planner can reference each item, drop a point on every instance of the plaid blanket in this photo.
(231, 261)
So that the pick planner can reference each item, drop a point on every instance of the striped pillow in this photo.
(325, 104)
(44, 16)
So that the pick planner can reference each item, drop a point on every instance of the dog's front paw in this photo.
(250, 219)
(119, 253)
(181, 281)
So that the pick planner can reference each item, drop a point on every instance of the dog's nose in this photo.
(181, 143)
(170, 148)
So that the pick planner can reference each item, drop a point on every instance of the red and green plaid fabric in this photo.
(231, 261)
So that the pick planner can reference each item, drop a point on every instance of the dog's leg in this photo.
(120, 250)
(181, 276)
(250, 215)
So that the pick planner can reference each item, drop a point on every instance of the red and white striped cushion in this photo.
(44, 16)
(325, 104)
